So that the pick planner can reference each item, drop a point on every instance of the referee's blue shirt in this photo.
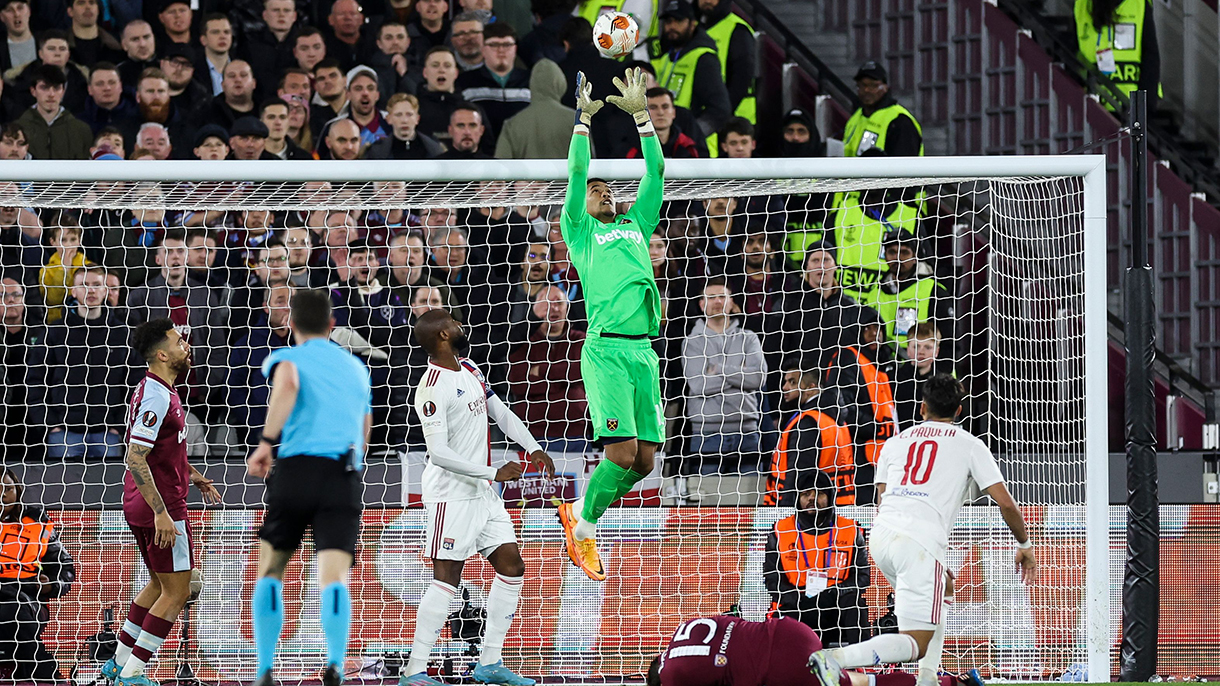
(334, 397)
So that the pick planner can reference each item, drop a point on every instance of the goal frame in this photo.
(1090, 168)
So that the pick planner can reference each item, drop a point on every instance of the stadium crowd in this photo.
(797, 327)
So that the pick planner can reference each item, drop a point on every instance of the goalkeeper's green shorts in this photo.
(623, 383)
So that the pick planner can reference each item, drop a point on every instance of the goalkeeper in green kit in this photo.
(620, 370)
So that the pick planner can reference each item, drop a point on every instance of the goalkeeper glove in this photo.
(632, 100)
(586, 106)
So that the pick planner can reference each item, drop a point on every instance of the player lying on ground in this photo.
(465, 514)
(731, 651)
(923, 475)
(154, 500)
(620, 370)
(311, 452)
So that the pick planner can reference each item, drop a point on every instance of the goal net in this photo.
(804, 301)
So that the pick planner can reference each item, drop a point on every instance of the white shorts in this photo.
(917, 576)
(459, 528)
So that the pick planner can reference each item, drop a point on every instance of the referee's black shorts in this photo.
(318, 493)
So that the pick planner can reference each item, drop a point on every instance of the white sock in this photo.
(583, 530)
(133, 665)
(429, 620)
(122, 652)
(929, 664)
(885, 649)
(501, 606)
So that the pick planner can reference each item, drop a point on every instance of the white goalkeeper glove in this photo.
(586, 106)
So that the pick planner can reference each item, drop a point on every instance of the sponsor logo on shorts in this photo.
(429, 408)
(149, 418)
(619, 235)
(447, 544)
(611, 424)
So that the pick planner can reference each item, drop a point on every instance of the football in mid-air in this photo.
(616, 34)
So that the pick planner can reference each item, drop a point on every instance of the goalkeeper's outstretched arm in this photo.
(633, 101)
(578, 152)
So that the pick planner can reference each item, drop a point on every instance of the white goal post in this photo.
(1045, 312)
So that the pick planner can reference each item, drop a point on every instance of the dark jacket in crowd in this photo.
(709, 96)
(268, 57)
(811, 326)
(543, 41)
(208, 322)
(248, 389)
(434, 110)
(739, 79)
(98, 117)
(388, 80)
(498, 102)
(79, 372)
(65, 138)
(543, 129)
(380, 318)
(390, 148)
(15, 353)
(75, 91)
(130, 70)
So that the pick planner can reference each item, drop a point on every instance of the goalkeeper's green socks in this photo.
(608, 483)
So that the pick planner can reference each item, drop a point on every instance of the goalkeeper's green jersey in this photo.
(621, 294)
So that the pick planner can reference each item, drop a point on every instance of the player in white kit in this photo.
(924, 473)
(465, 514)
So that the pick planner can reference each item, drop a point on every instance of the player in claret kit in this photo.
(923, 475)
(620, 370)
(731, 651)
(154, 500)
(465, 514)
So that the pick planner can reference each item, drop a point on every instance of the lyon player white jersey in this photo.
(927, 471)
(454, 404)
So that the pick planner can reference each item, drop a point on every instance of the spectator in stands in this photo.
(362, 98)
(330, 95)
(51, 130)
(343, 140)
(817, 317)
(18, 343)
(211, 143)
(534, 275)
(436, 96)
(736, 138)
(153, 101)
(816, 565)
(22, 47)
(79, 374)
(89, 42)
(405, 142)
(466, 131)
(21, 242)
(723, 234)
(814, 437)
(269, 47)
(481, 9)
(909, 292)
(175, 17)
(681, 41)
(407, 260)
(880, 122)
(545, 40)
(345, 41)
(268, 269)
(394, 60)
(37, 569)
(675, 144)
(217, 39)
(106, 105)
(480, 297)
(734, 39)
(13, 143)
(430, 24)
(248, 140)
(754, 278)
(376, 324)
(922, 362)
(299, 241)
(543, 129)
(309, 49)
(859, 373)
(202, 252)
(724, 369)
(1125, 30)
(274, 115)
(237, 97)
(54, 51)
(501, 235)
(107, 141)
(801, 137)
(544, 374)
(56, 277)
(248, 389)
(424, 299)
(140, 48)
(500, 89)
(154, 138)
(187, 94)
(467, 41)
(858, 225)
(175, 294)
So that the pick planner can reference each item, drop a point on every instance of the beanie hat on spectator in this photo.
(211, 131)
(815, 480)
(678, 9)
(178, 50)
(872, 70)
(361, 69)
(798, 115)
(166, 4)
(249, 126)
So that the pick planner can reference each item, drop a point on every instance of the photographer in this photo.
(816, 566)
(34, 567)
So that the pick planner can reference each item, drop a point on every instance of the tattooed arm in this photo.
(137, 464)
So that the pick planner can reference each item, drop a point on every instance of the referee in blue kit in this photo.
(311, 453)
